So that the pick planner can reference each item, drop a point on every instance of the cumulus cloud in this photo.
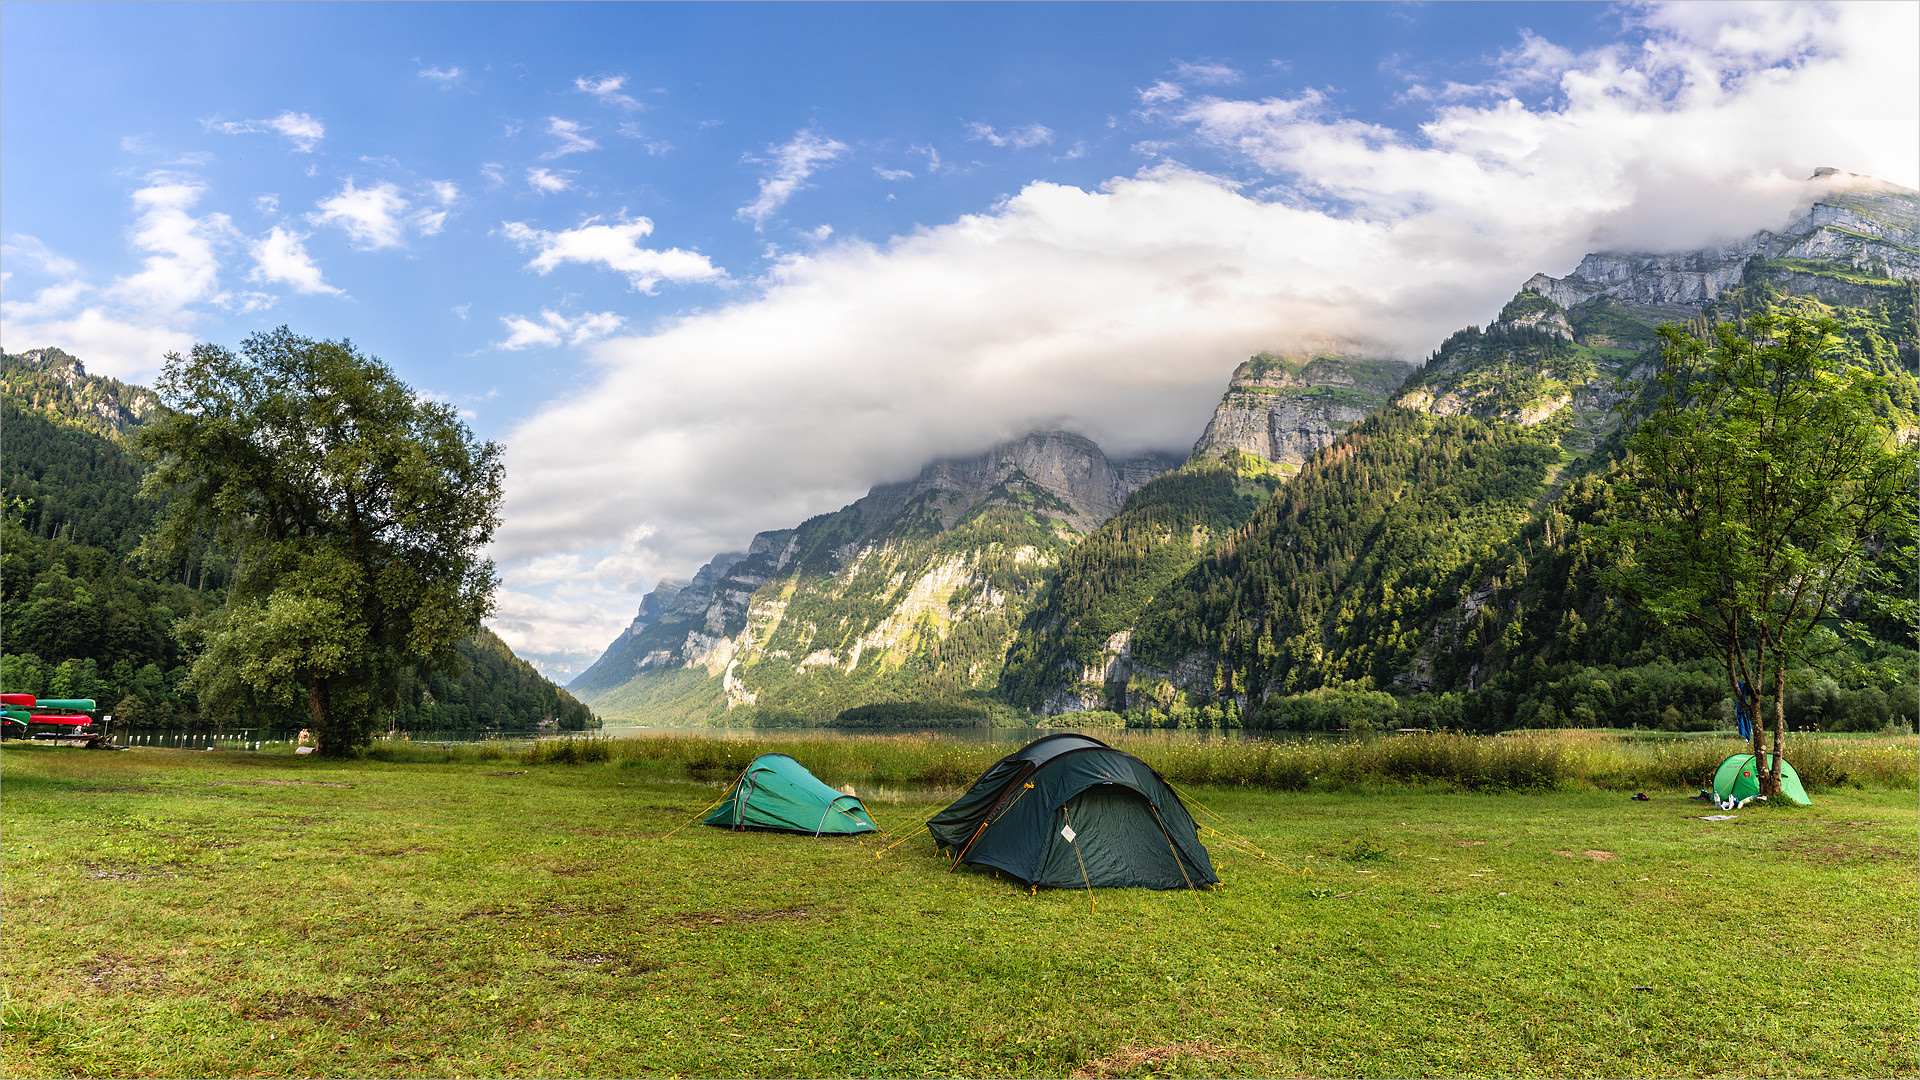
(1161, 92)
(182, 266)
(444, 76)
(572, 139)
(548, 182)
(891, 174)
(615, 247)
(298, 128)
(793, 162)
(553, 327)
(1020, 138)
(381, 216)
(608, 89)
(1120, 312)
(281, 256)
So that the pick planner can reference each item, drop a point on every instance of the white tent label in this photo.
(1069, 833)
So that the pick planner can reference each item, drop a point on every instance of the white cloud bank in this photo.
(1120, 312)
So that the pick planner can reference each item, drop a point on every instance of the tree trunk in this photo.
(317, 705)
(1770, 781)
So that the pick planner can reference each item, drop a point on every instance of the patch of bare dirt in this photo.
(276, 783)
(692, 919)
(573, 869)
(1129, 1059)
(125, 872)
(542, 909)
(1838, 842)
(391, 853)
(114, 973)
(1594, 854)
(297, 1005)
(1473, 843)
(611, 963)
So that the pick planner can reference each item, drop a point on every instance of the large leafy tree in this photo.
(1766, 482)
(355, 511)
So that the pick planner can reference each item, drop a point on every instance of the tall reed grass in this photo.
(1516, 761)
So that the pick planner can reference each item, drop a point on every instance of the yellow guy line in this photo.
(1177, 860)
(896, 844)
(1223, 828)
(1074, 843)
(711, 805)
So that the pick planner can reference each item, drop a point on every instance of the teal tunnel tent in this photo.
(1070, 811)
(778, 793)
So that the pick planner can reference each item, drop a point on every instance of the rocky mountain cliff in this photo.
(1282, 409)
(55, 384)
(667, 615)
(1856, 233)
(910, 592)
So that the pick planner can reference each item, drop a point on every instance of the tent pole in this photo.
(986, 821)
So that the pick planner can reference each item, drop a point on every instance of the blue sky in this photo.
(710, 269)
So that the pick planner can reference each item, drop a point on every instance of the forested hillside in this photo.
(1093, 599)
(81, 617)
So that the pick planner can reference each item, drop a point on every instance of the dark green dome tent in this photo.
(777, 792)
(1736, 781)
(1070, 811)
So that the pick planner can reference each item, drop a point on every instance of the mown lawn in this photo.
(216, 914)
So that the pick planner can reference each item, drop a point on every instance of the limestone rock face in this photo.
(1070, 468)
(873, 584)
(671, 606)
(1284, 409)
(1866, 225)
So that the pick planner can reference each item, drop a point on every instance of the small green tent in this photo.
(1070, 811)
(777, 792)
(1736, 781)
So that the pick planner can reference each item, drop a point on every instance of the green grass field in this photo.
(232, 914)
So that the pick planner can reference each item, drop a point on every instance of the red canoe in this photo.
(74, 721)
(24, 701)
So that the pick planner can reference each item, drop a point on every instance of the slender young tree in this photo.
(1763, 483)
(355, 512)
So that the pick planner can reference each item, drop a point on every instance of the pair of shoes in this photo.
(1640, 796)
